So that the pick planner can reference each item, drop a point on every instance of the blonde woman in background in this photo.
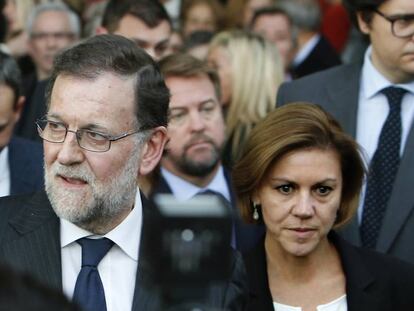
(250, 71)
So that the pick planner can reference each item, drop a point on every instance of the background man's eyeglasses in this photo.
(402, 25)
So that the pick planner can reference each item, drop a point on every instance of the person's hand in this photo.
(18, 45)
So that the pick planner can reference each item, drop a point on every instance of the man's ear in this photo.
(18, 108)
(100, 30)
(363, 25)
(152, 151)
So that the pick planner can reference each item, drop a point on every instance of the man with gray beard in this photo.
(104, 128)
(191, 163)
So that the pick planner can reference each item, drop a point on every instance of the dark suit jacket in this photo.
(323, 56)
(30, 242)
(34, 108)
(247, 235)
(337, 91)
(373, 281)
(26, 166)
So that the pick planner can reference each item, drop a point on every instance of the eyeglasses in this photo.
(402, 25)
(56, 132)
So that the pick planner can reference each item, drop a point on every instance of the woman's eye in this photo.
(285, 189)
(96, 136)
(323, 190)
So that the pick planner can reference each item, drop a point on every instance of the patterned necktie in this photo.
(89, 292)
(228, 205)
(383, 169)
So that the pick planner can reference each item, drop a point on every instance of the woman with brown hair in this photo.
(301, 175)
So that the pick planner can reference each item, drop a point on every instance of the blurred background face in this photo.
(199, 17)
(8, 115)
(277, 29)
(219, 59)
(154, 41)
(10, 12)
(50, 34)
(251, 6)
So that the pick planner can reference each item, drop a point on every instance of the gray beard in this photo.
(102, 205)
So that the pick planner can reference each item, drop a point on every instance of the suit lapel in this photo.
(37, 245)
(361, 294)
(343, 98)
(144, 298)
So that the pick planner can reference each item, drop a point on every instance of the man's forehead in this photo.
(133, 27)
(52, 17)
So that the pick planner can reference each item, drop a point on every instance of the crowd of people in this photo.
(296, 115)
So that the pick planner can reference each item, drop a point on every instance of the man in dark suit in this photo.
(314, 52)
(105, 127)
(146, 22)
(191, 163)
(21, 161)
(356, 96)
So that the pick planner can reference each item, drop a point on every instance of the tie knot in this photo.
(394, 95)
(93, 250)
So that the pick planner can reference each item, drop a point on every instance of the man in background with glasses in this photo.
(105, 126)
(374, 102)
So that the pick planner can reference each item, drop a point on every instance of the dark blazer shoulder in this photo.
(260, 297)
(26, 166)
(309, 88)
(375, 281)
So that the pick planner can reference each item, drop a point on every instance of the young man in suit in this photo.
(105, 126)
(357, 95)
(21, 161)
(146, 22)
(191, 163)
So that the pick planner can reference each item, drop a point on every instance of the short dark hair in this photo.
(269, 10)
(365, 7)
(297, 126)
(186, 65)
(10, 75)
(118, 55)
(151, 12)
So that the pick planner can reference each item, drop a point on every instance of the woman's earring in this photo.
(255, 211)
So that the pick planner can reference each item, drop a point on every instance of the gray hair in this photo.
(54, 6)
(305, 14)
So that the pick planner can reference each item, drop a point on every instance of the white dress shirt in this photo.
(338, 304)
(117, 269)
(373, 111)
(4, 172)
(304, 52)
(184, 190)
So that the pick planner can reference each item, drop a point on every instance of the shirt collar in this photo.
(373, 81)
(183, 190)
(126, 235)
(306, 50)
(4, 163)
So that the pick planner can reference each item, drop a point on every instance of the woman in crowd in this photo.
(199, 15)
(239, 13)
(250, 71)
(301, 175)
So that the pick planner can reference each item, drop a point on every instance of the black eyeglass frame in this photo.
(392, 19)
(79, 135)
